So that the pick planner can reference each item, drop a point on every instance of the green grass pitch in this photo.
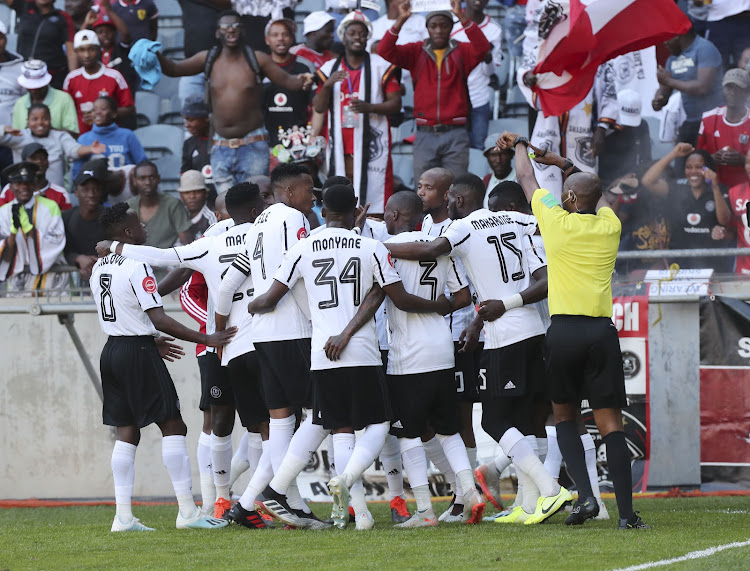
(79, 537)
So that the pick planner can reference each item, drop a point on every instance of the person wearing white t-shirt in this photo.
(500, 264)
(345, 276)
(420, 373)
(414, 30)
(479, 78)
(136, 385)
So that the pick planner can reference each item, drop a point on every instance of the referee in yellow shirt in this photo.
(583, 358)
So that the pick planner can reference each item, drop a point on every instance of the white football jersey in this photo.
(275, 231)
(499, 262)
(338, 268)
(461, 318)
(123, 290)
(422, 342)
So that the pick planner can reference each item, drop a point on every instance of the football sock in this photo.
(208, 489)
(390, 456)
(472, 454)
(415, 466)
(240, 462)
(343, 444)
(455, 451)
(254, 450)
(259, 481)
(554, 458)
(357, 497)
(589, 451)
(123, 474)
(520, 478)
(618, 462)
(436, 454)
(221, 463)
(575, 459)
(530, 493)
(541, 448)
(304, 443)
(501, 462)
(280, 431)
(367, 448)
(176, 459)
(522, 454)
(331, 455)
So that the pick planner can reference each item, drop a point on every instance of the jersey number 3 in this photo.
(107, 301)
(351, 274)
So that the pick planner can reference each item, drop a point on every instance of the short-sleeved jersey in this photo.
(422, 342)
(339, 268)
(499, 262)
(461, 318)
(581, 253)
(275, 231)
(716, 133)
(85, 88)
(123, 290)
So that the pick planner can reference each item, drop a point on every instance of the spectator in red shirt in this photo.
(318, 30)
(87, 83)
(37, 154)
(440, 67)
(359, 139)
(725, 131)
(739, 196)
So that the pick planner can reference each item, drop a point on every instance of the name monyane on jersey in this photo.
(335, 242)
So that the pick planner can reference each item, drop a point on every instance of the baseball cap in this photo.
(629, 101)
(738, 77)
(103, 20)
(194, 106)
(35, 75)
(350, 18)
(290, 24)
(445, 13)
(191, 180)
(95, 169)
(32, 148)
(85, 38)
(314, 21)
(21, 172)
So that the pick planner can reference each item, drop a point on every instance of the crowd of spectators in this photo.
(260, 85)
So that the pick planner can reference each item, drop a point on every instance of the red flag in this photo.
(594, 32)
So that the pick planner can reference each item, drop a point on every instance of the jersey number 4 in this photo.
(258, 254)
(351, 274)
(505, 239)
(107, 301)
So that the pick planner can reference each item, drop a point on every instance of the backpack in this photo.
(214, 52)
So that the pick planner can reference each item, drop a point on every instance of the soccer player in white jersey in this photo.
(420, 376)
(338, 269)
(137, 388)
(232, 387)
(432, 188)
(281, 337)
(492, 249)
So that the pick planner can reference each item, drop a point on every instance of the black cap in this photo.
(32, 148)
(194, 106)
(95, 169)
(21, 172)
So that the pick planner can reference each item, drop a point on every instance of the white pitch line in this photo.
(687, 557)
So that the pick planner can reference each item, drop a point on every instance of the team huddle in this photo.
(391, 328)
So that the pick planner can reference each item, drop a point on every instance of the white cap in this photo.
(314, 21)
(85, 38)
(350, 18)
(3, 28)
(629, 101)
(35, 75)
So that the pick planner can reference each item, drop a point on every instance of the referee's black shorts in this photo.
(136, 383)
(423, 398)
(584, 361)
(285, 373)
(350, 397)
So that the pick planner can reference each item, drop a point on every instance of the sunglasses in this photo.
(227, 27)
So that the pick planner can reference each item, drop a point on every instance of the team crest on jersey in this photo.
(390, 260)
(545, 145)
(583, 151)
(141, 14)
(710, 206)
(215, 392)
(744, 138)
(693, 218)
(280, 99)
(103, 93)
(149, 285)
(301, 233)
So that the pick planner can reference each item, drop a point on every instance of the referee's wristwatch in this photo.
(521, 140)
(568, 165)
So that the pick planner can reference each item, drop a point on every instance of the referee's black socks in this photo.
(618, 462)
(571, 447)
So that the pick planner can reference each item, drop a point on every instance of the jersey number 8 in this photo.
(107, 301)
(351, 274)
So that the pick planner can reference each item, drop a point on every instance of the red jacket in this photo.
(441, 97)
(194, 301)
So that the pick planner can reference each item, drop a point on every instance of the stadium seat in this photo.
(512, 124)
(478, 163)
(170, 14)
(169, 170)
(12, 43)
(406, 129)
(658, 147)
(403, 168)
(515, 103)
(147, 106)
(6, 14)
(161, 140)
(173, 42)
